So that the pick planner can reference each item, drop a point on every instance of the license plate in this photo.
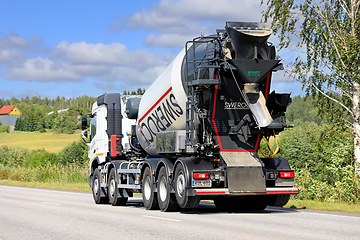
(201, 183)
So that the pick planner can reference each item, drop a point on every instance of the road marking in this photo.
(50, 203)
(333, 215)
(168, 219)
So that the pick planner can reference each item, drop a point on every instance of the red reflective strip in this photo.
(267, 86)
(215, 97)
(113, 139)
(162, 97)
(286, 174)
(209, 193)
(283, 191)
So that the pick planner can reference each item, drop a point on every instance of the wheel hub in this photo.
(163, 190)
(112, 187)
(96, 186)
(147, 188)
(181, 185)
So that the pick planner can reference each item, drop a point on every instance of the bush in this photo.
(74, 153)
(322, 158)
(13, 156)
(57, 173)
(68, 166)
(41, 158)
(4, 128)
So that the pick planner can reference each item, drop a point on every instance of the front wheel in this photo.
(166, 200)
(182, 197)
(113, 190)
(96, 189)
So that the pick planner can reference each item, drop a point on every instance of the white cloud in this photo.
(168, 14)
(41, 70)
(85, 53)
(166, 40)
(78, 61)
(177, 21)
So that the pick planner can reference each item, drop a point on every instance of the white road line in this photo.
(332, 215)
(168, 219)
(50, 203)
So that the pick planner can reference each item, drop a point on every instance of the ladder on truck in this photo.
(196, 66)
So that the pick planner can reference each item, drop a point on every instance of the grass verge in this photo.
(324, 206)
(79, 187)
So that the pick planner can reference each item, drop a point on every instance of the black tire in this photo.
(278, 200)
(113, 190)
(256, 203)
(96, 189)
(166, 200)
(222, 203)
(148, 195)
(182, 198)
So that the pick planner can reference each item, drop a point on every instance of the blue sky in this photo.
(72, 48)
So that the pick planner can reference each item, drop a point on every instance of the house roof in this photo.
(6, 109)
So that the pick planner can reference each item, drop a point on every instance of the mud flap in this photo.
(245, 172)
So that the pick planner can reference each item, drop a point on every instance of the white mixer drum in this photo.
(163, 106)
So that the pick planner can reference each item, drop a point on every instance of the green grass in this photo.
(324, 206)
(49, 141)
(79, 187)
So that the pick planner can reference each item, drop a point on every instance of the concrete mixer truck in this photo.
(195, 133)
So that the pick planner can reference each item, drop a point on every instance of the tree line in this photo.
(60, 115)
(41, 114)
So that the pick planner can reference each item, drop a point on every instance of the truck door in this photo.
(98, 143)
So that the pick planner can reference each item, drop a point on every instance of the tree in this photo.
(329, 31)
(140, 91)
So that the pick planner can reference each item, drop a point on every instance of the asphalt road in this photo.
(29, 213)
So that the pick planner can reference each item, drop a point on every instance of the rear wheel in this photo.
(96, 189)
(278, 200)
(113, 190)
(221, 203)
(182, 197)
(149, 196)
(166, 200)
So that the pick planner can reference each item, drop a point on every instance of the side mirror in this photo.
(84, 124)
(84, 134)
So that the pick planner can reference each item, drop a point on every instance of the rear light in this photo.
(286, 174)
(201, 175)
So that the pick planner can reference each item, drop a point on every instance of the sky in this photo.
(51, 48)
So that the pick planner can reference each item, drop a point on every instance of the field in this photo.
(49, 141)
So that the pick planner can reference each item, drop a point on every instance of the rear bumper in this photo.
(225, 191)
